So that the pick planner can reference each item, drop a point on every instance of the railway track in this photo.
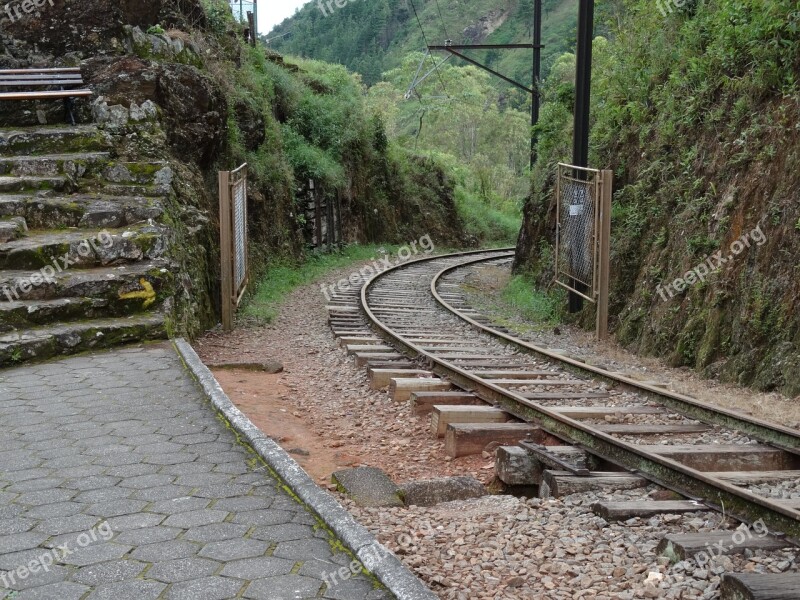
(564, 426)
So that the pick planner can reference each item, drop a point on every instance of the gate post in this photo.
(604, 254)
(226, 249)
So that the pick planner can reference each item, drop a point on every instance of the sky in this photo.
(272, 12)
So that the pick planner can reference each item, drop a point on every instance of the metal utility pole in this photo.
(583, 86)
(537, 71)
(255, 20)
(455, 50)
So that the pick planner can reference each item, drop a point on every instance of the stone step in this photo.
(42, 211)
(78, 164)
(83, 248)
(102, 282)
(134, 179)
(71, 338)
(58, 138)
(60, 183)
(27, 314)
(12, 229)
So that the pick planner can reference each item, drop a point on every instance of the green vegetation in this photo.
(697, 114)
(376, 36)
(544, 308)
(283, 277)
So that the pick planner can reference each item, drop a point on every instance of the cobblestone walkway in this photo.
(118, 481)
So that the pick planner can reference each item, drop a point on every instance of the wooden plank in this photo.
(40, 70)
(725, 457)
(363, 358)
(381, 378)
(442, 415)
(465, 439)
(513, 374)
(620, 511)
(755, 477)
(562, 483)
(50, 95)
(680, 546)
(760, 586)
(512, 382)
(515, 465)
(39, 82)
(401, 388)
(353, 339)
(374, 348)
(600, 412)
(632, 429)
(422, 403)
(561, 396)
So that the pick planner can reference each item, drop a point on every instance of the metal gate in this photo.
(583, 231)
(233, 240)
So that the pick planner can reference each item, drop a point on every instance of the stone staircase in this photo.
(83, 244)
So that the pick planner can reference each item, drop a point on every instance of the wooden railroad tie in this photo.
(401, 388)
(760, 586)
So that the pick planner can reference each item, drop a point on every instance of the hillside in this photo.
(697, 114)
(172, 106)
(373, 37)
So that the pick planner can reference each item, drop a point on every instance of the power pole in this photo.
(583, 87)
(255, 19)
(537, 71)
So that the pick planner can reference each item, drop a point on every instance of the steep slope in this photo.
(697, 114)
(131, 193)
(373, 37)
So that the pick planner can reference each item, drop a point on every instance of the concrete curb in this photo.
(375, 557)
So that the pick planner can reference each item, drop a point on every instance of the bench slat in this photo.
(27, 84)
(45, 95)
(42, 77)
(50, 70)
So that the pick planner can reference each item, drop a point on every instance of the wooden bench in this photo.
(29, 84)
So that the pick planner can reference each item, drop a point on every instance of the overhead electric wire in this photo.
(441, 18)
(425, 39)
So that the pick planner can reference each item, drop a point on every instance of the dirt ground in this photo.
(321, 410)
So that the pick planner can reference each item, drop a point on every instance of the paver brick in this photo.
(230, 550)
(257, 568)
(133, 443)
(182, 569)
(169, 550)
(64, 590)
(286, 587)
(129, 590)
(207, 588)
(108, 572)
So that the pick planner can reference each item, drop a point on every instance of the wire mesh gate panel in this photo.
(583, 231)
(233, 240)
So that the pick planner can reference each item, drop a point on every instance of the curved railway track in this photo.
(561, 405)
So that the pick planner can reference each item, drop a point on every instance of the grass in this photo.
(280, 279)
(540, 307)
(493, 226)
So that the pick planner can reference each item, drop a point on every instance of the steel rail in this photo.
(672, 474)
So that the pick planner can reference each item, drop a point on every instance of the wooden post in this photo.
(317, 215)
(252, 25)
(226, 249)
(604, 256)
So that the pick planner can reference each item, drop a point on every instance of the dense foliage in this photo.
(697, 114)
